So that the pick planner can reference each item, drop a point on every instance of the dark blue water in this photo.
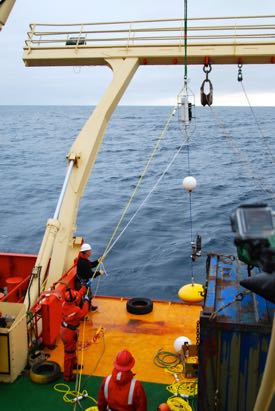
(231, 157)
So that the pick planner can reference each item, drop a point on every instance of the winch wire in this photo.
(152, 155)
(188, 143)
(191, 235)
(185, 40)
(247, 163)
(190, 204)
(268, 148)
(154, 151)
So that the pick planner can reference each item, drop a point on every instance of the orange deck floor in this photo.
(143, 335)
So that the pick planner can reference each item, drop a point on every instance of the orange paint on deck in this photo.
(143, 335)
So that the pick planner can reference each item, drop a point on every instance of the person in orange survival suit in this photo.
(121, 391)
(71, 317)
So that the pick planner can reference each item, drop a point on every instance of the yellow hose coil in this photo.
(189, 389)
(176, 403)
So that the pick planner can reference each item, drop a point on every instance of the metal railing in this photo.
(210, 30)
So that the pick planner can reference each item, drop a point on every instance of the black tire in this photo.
(45, 372)
(139, 306)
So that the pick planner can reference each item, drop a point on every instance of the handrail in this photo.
(161, 31)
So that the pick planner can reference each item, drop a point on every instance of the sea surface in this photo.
(231, 155)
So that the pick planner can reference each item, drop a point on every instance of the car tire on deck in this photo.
(139, 306)
(45, 372)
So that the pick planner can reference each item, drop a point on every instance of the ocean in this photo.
(230, 155)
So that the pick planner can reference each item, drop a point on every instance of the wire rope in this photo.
(109, 245)
(190, 204)
(98, 360)
(191, 234)
(185, 41)
(146, 198)
(269, 150)
(75, 396)
(152, 155)
(71, 395)
(246, 162)
(185, 88)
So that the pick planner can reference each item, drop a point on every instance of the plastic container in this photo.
(12, 283)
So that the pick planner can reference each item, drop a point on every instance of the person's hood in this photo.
(122, 377)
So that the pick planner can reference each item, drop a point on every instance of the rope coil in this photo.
(166, 359)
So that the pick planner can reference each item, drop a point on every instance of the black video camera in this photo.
(253, 222)
(255, 242)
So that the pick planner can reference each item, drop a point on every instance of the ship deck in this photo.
(143, 335)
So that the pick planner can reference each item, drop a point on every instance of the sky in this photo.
(151, 85)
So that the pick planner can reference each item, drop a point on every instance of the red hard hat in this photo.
(164, 407)
(124, 361)
(70, 295)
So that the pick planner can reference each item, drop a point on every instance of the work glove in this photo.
(101, 259)
(89, 283)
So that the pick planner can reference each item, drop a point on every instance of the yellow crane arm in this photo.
(57, 248)
(5, 9)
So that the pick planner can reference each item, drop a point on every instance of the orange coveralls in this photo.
(71, 316)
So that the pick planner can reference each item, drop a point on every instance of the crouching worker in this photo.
(72, 314)
(121, 391)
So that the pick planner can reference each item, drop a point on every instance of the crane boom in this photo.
(57, 247)
(5, 9)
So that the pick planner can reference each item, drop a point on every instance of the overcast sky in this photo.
(151, 85)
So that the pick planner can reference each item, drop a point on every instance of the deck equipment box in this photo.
(13, 341)
(235, 329)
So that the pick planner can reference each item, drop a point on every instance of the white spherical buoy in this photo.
(189, 183)
(180, 341)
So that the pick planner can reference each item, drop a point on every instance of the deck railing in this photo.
(210, 30)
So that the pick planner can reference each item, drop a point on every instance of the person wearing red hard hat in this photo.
(72, 314)
(120, 391)
(85, 272)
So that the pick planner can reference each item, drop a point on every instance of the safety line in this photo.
(98, 361)
(146, 198)
(162, 135)
(155, 148)
(78, 390)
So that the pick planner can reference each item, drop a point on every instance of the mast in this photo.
(57, 248)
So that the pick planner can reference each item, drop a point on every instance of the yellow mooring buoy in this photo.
(191, 293)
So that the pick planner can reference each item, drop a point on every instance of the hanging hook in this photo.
(207, 99)
(207, 69)
(240, 74)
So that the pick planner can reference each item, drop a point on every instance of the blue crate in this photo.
(235, 328)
